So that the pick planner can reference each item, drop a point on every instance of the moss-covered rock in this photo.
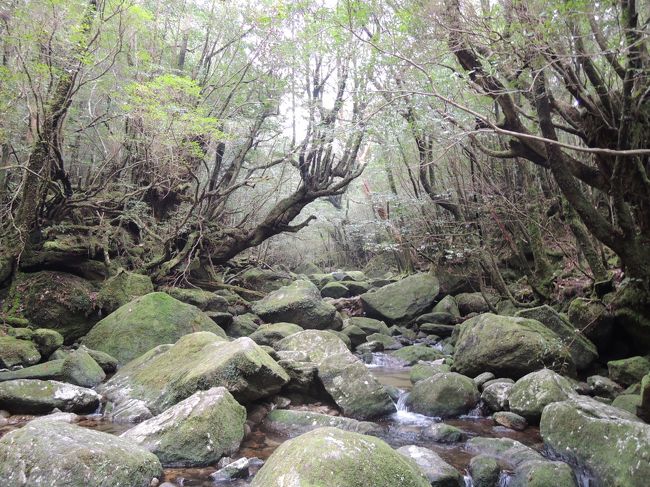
(194, 432)
(592, 319)
(368, 325)
(270, 334)
(443, 395)
(627, 371)
(533, 392)
(335, 290)
(424, 371)
(484, 471)
(299, 303)
(165, 376)
(354, 389)
(52, 370)
(437, 329)
(510, 420)
(414, 353)
(204, 300)
(582, 350)
(123, 288)
(403, 300)
(471, 303)
(107, 362)
(447, 305)
(20, 333)
(333, 457)
(385, 340)
(80, 368)
(146, 322)
(496, 396)
(291, 423)
(444, 433)
(438, 472)
(55, 300)
(27, 396)
(53, 454)
(47, 341)
(628, 402)
(265, 280)
(508, 347)
(603, 387)
(643, 411)
(356, 335)
(575, 430)
(356, 288)
(17, 352)
(243, 325)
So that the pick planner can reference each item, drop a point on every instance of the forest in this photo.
(328, 243)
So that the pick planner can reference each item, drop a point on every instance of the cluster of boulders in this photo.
(194, 371)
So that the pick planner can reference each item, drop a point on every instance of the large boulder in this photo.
(471, 303)
(608, 442)
(33, 396)
(497, 396)
(582, 350)
(443, 395)
(299, 303)
(508, 347)
(291, 423)
(533, 392)
(403, 300)
(56, 300)
(145, 322)
(438, 472)
(354, 389)
(368, 325)
(593, 320)
(80, 368)
(58, 454)
(166, 375)
(47, 341)
(333, 457)
(17, 352)
(195, 432)
(123, 288)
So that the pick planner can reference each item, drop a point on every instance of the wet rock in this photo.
(500, 380)
(444, 433)
(403, 300)
(15, 352)
(272, 333)
(582, 350)
(166, 375)
(333, 457)
(80, 368)
(54, 453)
(291, 423)
(510, 420)
(438, 472)
(299, 303)
(194, 432)
(47, 341)
(484, 471)
(144, 323)
(356, 335)
(604, 387)
(423, 371)
(443, 395)
(508, 347)
(629, 370)
(414, 353)
(370, 348)
(533, 392)
(33, 396)
(575, 429)
(123, 288)
(239, 469)
(530, 468)
(497, 395)
(388, 342)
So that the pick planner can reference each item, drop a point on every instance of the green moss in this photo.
(17, 352)
(414, 353)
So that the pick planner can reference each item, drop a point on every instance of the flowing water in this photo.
(401, 428)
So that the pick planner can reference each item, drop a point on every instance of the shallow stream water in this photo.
(401, 428)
